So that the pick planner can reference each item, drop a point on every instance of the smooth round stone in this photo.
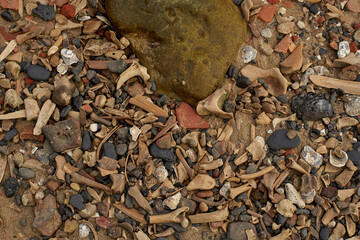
(7, 16)
(324, 233)
(280, 140)
(202, 36)
(38, 73)
(26, 173)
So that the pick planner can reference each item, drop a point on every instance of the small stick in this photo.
(99, 119)
(186, 165)
(257, 174)
(207, 202)
(9, 48)
(104, 140)
(77, 178)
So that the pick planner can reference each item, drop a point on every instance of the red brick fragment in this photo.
(283, 45)
(273, 1)
(356, 25)
(288, 4)
(52, 185)
(334, 45)
(103, 222)
(68, 11)
(294, 38)
(266, 13)
(188, 118)
(320, 19)
(29, 81)
(87, 108)
(8, 36)
(10, 4)
(353, 47)
(27, 134)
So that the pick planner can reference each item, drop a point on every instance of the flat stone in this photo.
(293, 62)
(286, 27)
(10, 4)
(77, 201)
(283, 45)
(187, 117)
(354, 156)
(31, 108)
(237, 230)
(45, 12)
(63, 135)
(204, 36)
(353, 5)
(166, 154)
(26, 173)
(38, 73)
(86, 141)
(47, 219)
(109, 150)
(280, 140)
(267, 13)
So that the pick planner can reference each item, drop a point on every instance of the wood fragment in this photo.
(132, 213)
(13, 115)
(351, 87)
(9, 48)
(143, 103)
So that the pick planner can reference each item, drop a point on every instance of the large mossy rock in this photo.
(187, 45)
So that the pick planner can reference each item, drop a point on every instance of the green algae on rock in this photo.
(186, 45)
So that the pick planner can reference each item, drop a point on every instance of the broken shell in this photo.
(293, 195)
(201, 182)
(136, 69)
(313, 158)
(173, 201)
(273, 78)
(286, 208)
(214, 103)
(135, 132)
(161, 174)
(69, 56)
(336, 160)
(62, 68)
(308, 188)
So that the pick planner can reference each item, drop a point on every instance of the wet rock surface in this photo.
(195, 31)
(311, 107)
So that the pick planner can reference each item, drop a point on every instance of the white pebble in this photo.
(84, 230)
(344, 49)
(282, 11)
(249, 54)
(69, 56)
(266, 33)
(94, 127)
(300, 24)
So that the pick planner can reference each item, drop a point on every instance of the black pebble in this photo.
(242, 82)
(166, 154)
(38, 73)
(76, 42)
(279, 140)
(11, 186)
(78, 101)
(7, 16)
(314, 9)
(86, 143)
(10, 134)
(354, 156)
(324, 233)
(65, 111)
(45, 12)
(322, 51)
(117, 66)
(77, 201)
(311, 107)
(109, 150)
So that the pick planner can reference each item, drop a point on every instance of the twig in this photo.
(104, 140)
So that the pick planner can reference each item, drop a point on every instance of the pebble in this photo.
(300, 24)
(266, 33)
(109, 150)
(6, 16)
(237, 230)
(47, 218)
(187, 117)
(324, 233)
(280, 140)
(314, 9)
(344, 49)
(86, 141)
(26, 173)
(286, 27)
(313, 158)
(90, 74)
(10, 134)
(354, 156)
(121, 149)
(249, 54)
(114, 232)
(117, 66)
(356, 35)
(77, 201)
(165, 154)
(84, 230)
(11, 186)
(38, 73)
(311, 107)
(23, 221)
(103, 222)
(242, 82)
(45, 12)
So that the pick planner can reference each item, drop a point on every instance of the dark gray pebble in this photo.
(311, 107)
(117, 66)
(6, 16)
(279, 140)
(121, 149)
(10, 134)
(109, 150)
(77, 201)
(23, 222)
(11, 186)
(86, 143)
(166, 154)
(26, 173)
(45, 12)
(38, 73)
(324, 233)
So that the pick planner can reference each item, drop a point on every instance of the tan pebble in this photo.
(203, 207)
(75, 186)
